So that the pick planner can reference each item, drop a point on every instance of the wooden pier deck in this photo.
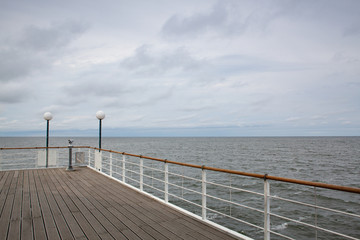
(83, 204)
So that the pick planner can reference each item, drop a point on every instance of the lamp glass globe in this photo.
(100, 115)
(48, 116)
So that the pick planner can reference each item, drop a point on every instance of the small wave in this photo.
(211, 216)
(280, 227)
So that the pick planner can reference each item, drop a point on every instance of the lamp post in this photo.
(70, 168)
(47, 116)
(100, 115)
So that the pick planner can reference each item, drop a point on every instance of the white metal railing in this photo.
(35, 157)
(194, 191)
(255, 205)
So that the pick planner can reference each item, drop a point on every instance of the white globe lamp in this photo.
(47, 116)
(100, 115)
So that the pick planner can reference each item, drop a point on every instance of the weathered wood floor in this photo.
(83, 204)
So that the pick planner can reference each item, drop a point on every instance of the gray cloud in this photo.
(96, 88)
(352, 30)
(197, 23)
(186, 63)
(13, 92)
(145, 61)
(34, 50)
(14, 64)
(57, 35)
(226, 18)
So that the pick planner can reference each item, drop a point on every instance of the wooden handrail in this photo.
(255, 175)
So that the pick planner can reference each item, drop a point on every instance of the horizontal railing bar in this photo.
(183, 199)
(153, 178)
(184, 176)
(154, 169)
(235, 203)
(281, 235)
(255, 175)
(184, 188)
(147, 185)
(315, 206)
(132, 171)
(132, 179)
(118, 166)
(132, 163)
(313, 226)
(234, 188)
(236, 219)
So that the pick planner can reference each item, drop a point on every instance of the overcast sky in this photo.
(176, 68)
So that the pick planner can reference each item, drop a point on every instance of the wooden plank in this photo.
(59, 220)
(121, 211)
(2, 173)
(26, 224)
(156, 213)
(68, 196)
(57, 204)
(49, 223)
(37, 220)
(5, 186)
(15, 224)
(209, 233)
(155, 234)
(39, 228)
(69, 218)
(129, 211)
(3, 179)
(8, 206)
(98, 212)
(102, 214)
(90, 226)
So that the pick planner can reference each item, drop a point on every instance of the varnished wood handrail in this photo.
(255, 175)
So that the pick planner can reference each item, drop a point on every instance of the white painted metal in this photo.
(141, 174)
(203, 188)
(123, 169)
(111, 164)
(166, 183)
(98, 160)
(266, 210)
(89, 157)
(232, 202)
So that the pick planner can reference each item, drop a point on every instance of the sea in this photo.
(331, 160)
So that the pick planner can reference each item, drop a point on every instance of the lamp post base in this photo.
(70, 168)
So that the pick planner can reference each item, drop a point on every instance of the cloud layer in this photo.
(271, 67)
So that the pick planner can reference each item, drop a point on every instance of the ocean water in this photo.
(332, 160)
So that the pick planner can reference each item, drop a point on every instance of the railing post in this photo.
(111, 164)
(203, 183)
(89, 157)
(123, 169)
(141, 174)
(166, 182)
(266, 209)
